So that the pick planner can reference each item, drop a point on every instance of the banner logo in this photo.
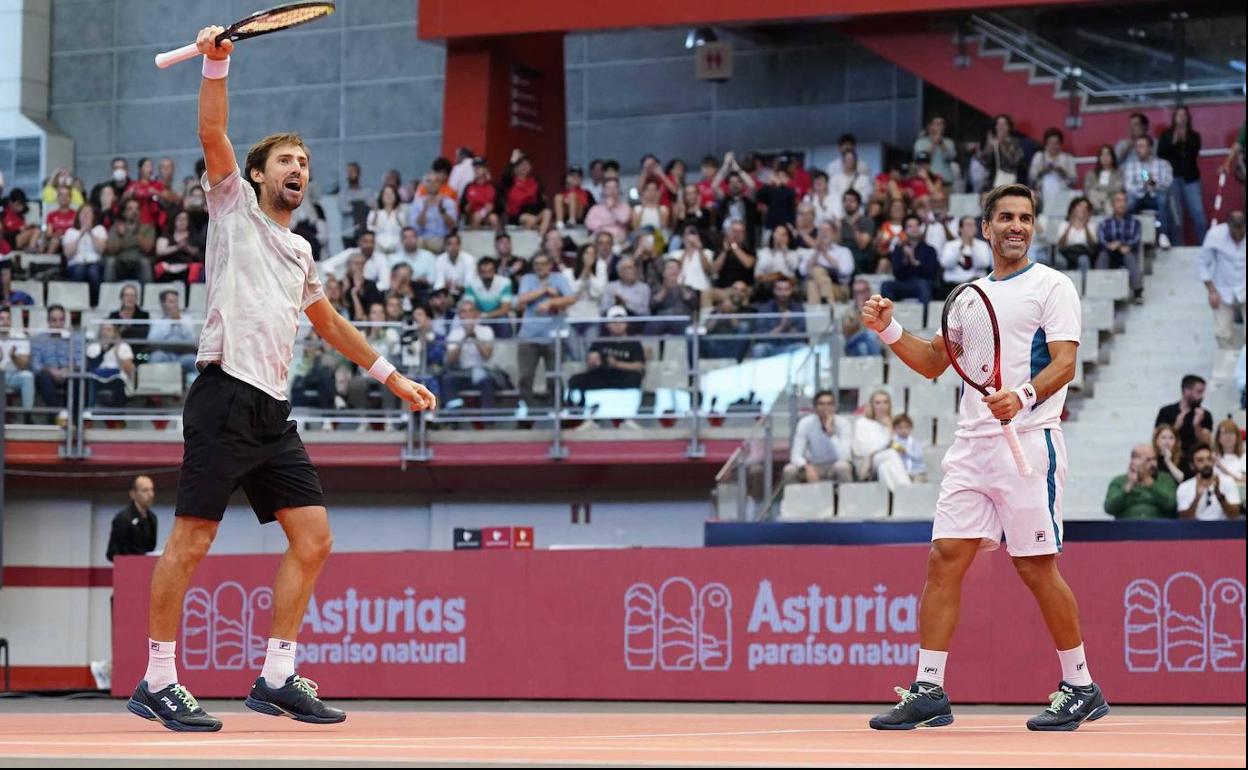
(678, 627)
(1183, 626)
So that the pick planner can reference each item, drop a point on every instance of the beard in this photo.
(1205, 472)
(283, 199)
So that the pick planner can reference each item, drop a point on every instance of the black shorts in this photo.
(237, 435)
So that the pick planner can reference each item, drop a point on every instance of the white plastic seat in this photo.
(1108, 284)
(72, 295)
(197, 300)
(478, 243)
(859, 372)
(916, 501)
(159, 379)
(1098, 314)
(860, 501)
(807, 502)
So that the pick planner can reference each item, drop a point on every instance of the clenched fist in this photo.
(207, 43)
(877, 313)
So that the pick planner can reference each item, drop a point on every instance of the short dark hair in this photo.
(710, 160)
(1054, 132)
(1145, 138)
(903, 417)
(843, 138)
(1201, 445)
(610, 164)
(364, 233)
(1140, 117)
(258, 155)
(440, 165)
(823, 394)
(1075, 202)
(906, 221)
(1192, 380)
(52, 308)
(501, 235)
(118, 158)
(819, 175)
(851, 192)
(1007, 191)
(167, 292)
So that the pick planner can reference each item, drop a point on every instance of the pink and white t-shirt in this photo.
(261, 276)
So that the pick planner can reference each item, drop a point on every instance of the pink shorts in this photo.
(983, 496)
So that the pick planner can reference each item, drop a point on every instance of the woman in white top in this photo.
(852, 175)
(826, 204)
(387, 220)
(1102, 182)
(111, 362)
(588, 282)
(84, 249)
(967, 257)
(1076, 240)
(1228, 450)
(872, 449)
(1052, 171)
(780, 259)
(695, 265)
(652, 212)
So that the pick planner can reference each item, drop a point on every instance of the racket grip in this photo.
(169, 58)
(1016, 449)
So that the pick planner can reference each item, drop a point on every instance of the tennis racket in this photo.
(259, 23)
(968, 326)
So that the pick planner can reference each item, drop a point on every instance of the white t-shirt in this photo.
(87, 254)
(692, 273)
(838, 261)
(1074, 236)
(113, 357)
(1034, 307)
(1208, 509)
(773, 261)
(457, 273)
(387, 227)
(261, 276)
(1232, 466)
(951, 261)
(469, 355)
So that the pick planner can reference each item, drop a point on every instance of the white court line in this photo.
(581, 761)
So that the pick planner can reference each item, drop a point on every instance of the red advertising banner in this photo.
(1163, 623)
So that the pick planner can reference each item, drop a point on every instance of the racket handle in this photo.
(170, 58)
(1016, 449)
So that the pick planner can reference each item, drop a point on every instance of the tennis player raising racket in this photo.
(983, 495)
(261, 276)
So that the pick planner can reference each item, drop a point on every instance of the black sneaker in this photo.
(1070, 707)
(295, 699)
(173, 707)
(923, 705)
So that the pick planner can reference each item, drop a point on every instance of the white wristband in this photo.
(1027, 394)
(215, 69)
(381, 370)
(891, 333)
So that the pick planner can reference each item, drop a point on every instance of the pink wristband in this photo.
(215, 69)
(891, 333)
(381, 370)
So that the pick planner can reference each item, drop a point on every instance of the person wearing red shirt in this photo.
(521, 199)
(149, 193)
(477, 201)
(58, 220)
(799, 177)
(573, 203)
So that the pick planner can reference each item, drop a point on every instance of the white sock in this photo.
(161, 671)
(932, 667)
(1075, 667)
(279, 663)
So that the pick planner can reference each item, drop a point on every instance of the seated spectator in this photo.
(51, 354)
(387, 218)
(737, 207)
(574, 201)
(336, 297)
(422, 262)
(1207, 496)
(611, 214)
(307, 221)
(520, 197)
(873, 449)
(462, 173)
(57, 221)
(824, 202)
(402, 291)
(174, 337)
(1193, 422)
(966, 258)
(1142, 492)
(454, 267)
(909, 448)
(779, 260)
(1180, 147)
(15, 234)
(491, 296)
(628, 292)
(479, 198)
(423, 344)
(589, 282)
(110, 361)
(1052, 170)
(921, 182)
(131, 245)
(361, 293)
(1147, 180)
(15, 362)
(940, 148)
(1169, 454)
(778, 199)
(651, 213)
(178, 256)
(735, 262)
(130, 314)
(1101, 182)
(689, 212)
(312, 372)
(672, 297)
(916, 268)
(848, 174)
(696, 264)
(432, 214)
(820, 448)
(859, 341)
(933, 212)
(828, 268)
(510, 266)
(672, 181)
(805, 231)
(858, 232)
(385, 340)
(891, 234)
(783, 315)
(148, 192)
(1076, 240)
(1222, 271)
(469, 350)
(646, 256)
(614, 361)
(544, 298)
(1001, 154)
(1119, 242)
(84, 245)
(1228, 452)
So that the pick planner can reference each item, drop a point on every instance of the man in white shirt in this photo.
(376, 266)
(820, 446)
(1222, 271)
(469, 348)
(1207, 496)
(454, 267)
(462, 173)
(423, 262)
(828, 267)
(966, 258)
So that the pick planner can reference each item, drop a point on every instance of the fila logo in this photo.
(1039, 536)
(283, 645)
(1075, 707)
(1080, 666)
(169, 703)
(155, 646)
(929, 669)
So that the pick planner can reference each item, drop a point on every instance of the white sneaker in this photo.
(1163, 241)
(629, 425)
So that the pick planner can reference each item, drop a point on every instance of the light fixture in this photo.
(700, 36)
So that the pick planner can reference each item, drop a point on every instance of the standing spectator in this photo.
(909, 448)
(131, 245)
(469, 349)
(354, 202)
(820, 447)
(119, 180)
(1229, 453)
(873, 452)
(1222, 271)
(1119, 238)
(610, 214)
(129, 314)
(849, 174)
(778, 261)
(858, 232)
(1207, 496)
(1052, 170)
(1001, 154)
(828, 268)
(940, 148)
(1142, 492)
(543, 298)
(110, 207)
(454, 267)
(520, 197)
(780, 200)
(170, 195)
(1101, 182)
(1137, 126)
(596, 178)
(629, 291)
(588, 281)
(1180, 147)
(463, 172)
(916, 267)
(173, 337)
(574, 201)
(1147, 180)
(432, 214)
(85, 244)
(859, 341)
(148, 191)
(689, 212)
(824, 202)
(492, 296)
(1193, 422)
(783, 315)
(15, 362)
(178, 255)
(696, 264)
(134, 527)
(1169, 453)
(386, 221)
(966, 258)
(1076, 240)
(478, 199)
(52, 353)
(735, 262)
(651, 213)
(738, 207)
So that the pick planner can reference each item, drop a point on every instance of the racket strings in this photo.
(289, 18)
(971, 339)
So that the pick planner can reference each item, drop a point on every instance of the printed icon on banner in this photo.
(496, 537)
(678, 627)
(522, 537)
(465, 539)
(1183, 626)
(218, 629)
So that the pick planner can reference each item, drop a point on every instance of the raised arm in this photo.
(927, 357)
(214, 110)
